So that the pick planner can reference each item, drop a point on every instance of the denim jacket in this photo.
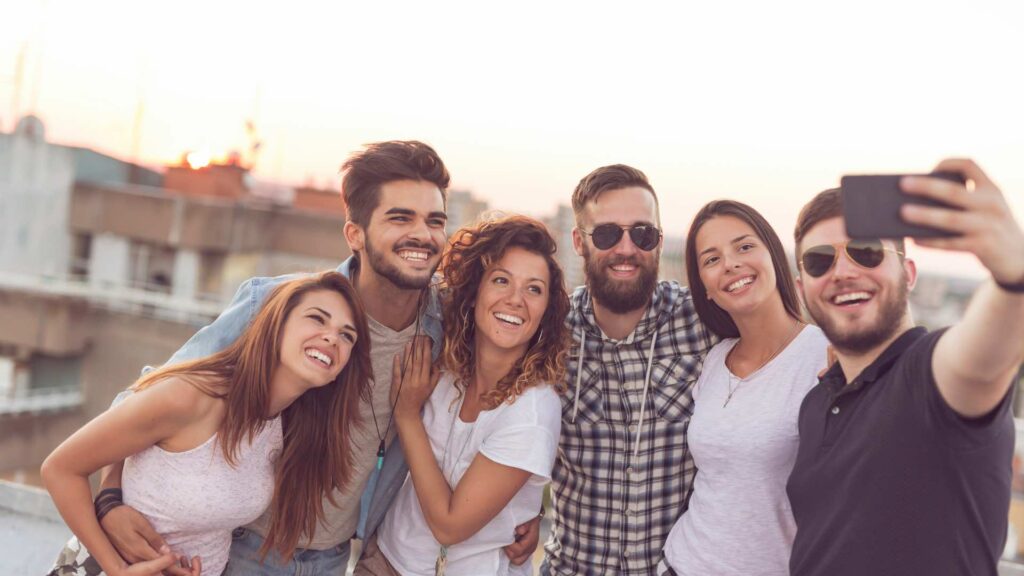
(383, 487)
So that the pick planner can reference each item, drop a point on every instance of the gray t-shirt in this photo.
(340, 521)
(739, 520)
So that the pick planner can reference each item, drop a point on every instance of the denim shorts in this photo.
(245, 559)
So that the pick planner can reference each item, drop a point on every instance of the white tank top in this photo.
(194, 499)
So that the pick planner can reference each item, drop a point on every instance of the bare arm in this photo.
(975, 360)
(130, 532)
(482, 492)
(127, 428)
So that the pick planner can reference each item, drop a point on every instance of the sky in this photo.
(764, 102)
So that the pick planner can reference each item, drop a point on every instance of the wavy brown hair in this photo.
(471, 252)
(315, 459)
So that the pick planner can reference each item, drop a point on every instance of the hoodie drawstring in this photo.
(647, 386)
(643, 401)
(579, 375)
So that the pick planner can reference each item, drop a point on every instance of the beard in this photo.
(377, 260)
(891, 312)
(617, 295)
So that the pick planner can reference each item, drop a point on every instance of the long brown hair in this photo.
(710, 313)
(315, 459)
(472, 251)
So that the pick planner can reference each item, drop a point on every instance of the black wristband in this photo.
(116, 492)
(1017, 288)
(102, 511)
(106, 501)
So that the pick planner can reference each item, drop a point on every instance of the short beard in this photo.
(375, 259)
(619, 297)
(890, 317)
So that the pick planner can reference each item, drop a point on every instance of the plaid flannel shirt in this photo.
(613, 512)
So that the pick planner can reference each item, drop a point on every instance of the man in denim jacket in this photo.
(395, 199)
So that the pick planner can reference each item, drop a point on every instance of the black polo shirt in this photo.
(889, 479)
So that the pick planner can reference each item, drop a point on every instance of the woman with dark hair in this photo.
(743, 432)
(483, 449)
(208, 444)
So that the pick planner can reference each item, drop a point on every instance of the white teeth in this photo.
(739, 284)
(415, 255)
(318, 355)
(509, 318)
(623, 268)
(850, 297)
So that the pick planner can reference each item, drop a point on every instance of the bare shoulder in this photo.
(177, 398)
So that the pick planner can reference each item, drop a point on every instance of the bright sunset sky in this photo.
(766, 102)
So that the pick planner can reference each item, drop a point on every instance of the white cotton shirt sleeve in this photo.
(527, 437)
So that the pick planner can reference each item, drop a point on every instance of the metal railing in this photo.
(120, 298)
(41, 400)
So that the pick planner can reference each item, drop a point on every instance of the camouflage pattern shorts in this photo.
(75, 560)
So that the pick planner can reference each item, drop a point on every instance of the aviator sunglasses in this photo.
(644, 236)
(817, 260)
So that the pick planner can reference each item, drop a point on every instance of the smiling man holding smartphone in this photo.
(906, 442)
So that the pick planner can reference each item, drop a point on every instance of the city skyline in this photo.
(766, 104)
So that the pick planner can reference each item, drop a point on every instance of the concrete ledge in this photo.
(22, 500)
(31, 531)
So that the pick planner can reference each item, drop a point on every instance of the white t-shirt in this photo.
(522, 435)
(739, 520)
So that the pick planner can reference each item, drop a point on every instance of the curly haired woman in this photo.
(483, 448)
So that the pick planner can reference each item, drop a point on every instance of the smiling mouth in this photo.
(621, 269)
(509, 319)
(319, 357)
(740, 284)
(851, 298)
(414, 255)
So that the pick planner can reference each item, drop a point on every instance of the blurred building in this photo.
(560, 225)
(463, 209)
(104, 269)
(673, 259)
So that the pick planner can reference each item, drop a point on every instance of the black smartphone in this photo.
(871, 206)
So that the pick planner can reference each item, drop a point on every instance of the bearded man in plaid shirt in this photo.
(624, 470)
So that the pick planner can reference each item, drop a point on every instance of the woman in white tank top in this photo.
(743, 432)
(209, 444)
(483, 449)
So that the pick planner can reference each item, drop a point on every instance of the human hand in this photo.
(135, 539)
(527, 538)
(164, 563)
(984, 222)
(413, 378)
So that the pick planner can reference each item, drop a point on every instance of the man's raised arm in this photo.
(976, 360)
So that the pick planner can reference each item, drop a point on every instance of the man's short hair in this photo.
(383, 162)
(607, 178)
(827, 204)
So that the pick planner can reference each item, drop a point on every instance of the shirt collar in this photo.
(649, 322)
(836, 380)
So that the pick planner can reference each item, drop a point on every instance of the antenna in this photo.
(41, 43)
(255, 144)
(19, 76)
